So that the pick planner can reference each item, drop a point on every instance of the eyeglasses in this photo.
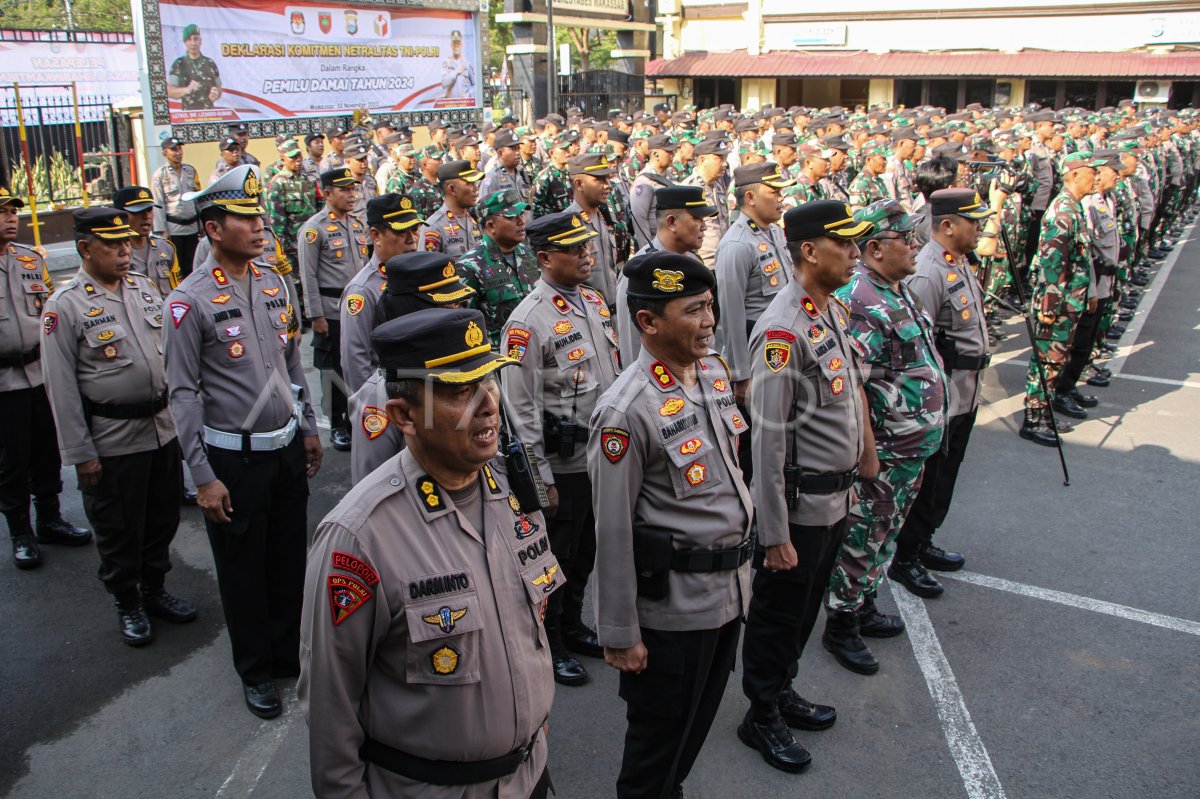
(575, 249)
(908, 236)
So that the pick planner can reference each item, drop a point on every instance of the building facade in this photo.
(995, 52)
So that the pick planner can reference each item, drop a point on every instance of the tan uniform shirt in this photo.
(715, 226)
(806, 408)
(631, 340)
(24, 288)
(753, 266)
(604, 253)
(374, 439)
(168, 186)
(105, 346)
(158, 262)
(449, 233)
(568, 359)
(665, 456)
(360, 313)
(331, 249)
(231, 359)
(424, 633)
(950, 294)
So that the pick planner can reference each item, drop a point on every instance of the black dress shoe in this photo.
(340, 439)
(135, 627)
(569, 671)
(188, 498)
(162, 605)
(1099, 381)
(263, 700)
(583, 641)
(774, 742)
(873, 624)
(798, 712)
(1118, 329)
(936, 558)
(912, 575)
(26, 554)
(1103, 371)
(60, 531)
(1125, 316)
(1065, 405)
(1084, 400)
(842, 640)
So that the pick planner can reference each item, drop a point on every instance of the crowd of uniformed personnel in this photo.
(646, 353)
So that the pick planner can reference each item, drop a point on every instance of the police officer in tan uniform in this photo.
(710, 168)
(332, 249)
(174, 217)
(150, 255)
(102, 348)
(673, 540)
(240, 402)
(29, 460)
(393, 225)
(589, 174)
(451, 229)
(416, 281)
(809, 437)
(563, 337)
(425, 668)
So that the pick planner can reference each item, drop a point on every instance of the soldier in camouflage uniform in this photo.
(638, 158)
(868, 185)
(502, 269)
(194, 79)
(424, 191)
(403, 175)
(291, 199)
(814, 169)
(1062, 272)
(552, 188)
(907, 395)
(530, 165)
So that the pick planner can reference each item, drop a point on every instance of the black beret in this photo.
(666, 275)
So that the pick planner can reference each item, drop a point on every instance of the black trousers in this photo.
(134, 510)
(572, 533)
(937, 488)
(1035, 235)
(1087, 333)
(327, 356)
(29, 461)
(783, 609)
(671, 705)
(185, 251)
(260, 557)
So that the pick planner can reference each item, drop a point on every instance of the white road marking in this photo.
(254, 761)
(1075, 601)
(966, 747)
(1164, 381)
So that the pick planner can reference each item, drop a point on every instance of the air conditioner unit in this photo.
(1153, 91)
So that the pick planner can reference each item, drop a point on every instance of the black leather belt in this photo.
(827, 483)
(125, 410)
(712, 560)
(330, 292)
(25, 358)
(445, 772)
(952, 360)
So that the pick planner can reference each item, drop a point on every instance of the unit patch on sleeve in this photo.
(178, 311)
(777, 354)
(615, 443)
(354, 303)
(355, 566)
(374, 422)
(346, 595)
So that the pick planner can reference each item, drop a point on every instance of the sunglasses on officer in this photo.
(907, 236)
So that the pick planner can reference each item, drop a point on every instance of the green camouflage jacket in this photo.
(399, 182)
(291, 199)
(1062, 269)
(499, 289)
(425, 197)
(865, 190)
(551, 191)
(906, 387)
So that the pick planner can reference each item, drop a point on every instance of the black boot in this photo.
(581, 639)
(26, 554)
(132, 619)
(567, 670)
(773, 740)
(800, 713)
(1084, 400)
(873, 624)
(842, 639)
(162, 605)
(1066, 405)
(1035, 429)
(52, 528)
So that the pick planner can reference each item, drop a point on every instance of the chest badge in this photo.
(445, 619)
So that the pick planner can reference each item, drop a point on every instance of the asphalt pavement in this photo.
(1062, 663)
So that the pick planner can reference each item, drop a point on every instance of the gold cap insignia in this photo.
(474, 335)
(448, 271)
(143, 195)
(849, 212)
(575, 222)
(118, 220)
(250, 186)
(405, 203)
(668, 281)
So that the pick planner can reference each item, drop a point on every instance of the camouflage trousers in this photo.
(876, 515)
(1053, 355)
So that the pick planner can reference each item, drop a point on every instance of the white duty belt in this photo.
(260, 442)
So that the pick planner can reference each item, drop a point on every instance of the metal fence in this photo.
(599, 90)
(59, 148)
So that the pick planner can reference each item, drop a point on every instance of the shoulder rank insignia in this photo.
(374, 422)
(662, 375)
(562, 305)
(346, 595)
(490, 479)
(431, 497)
(445, 618)
(219, 276)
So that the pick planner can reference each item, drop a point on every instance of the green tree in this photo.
(94, 15)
